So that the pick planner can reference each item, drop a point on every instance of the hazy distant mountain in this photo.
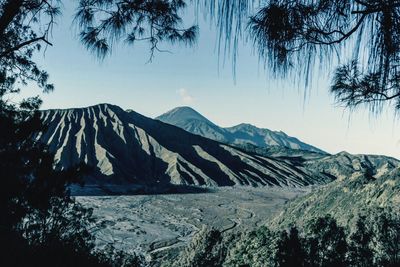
(128, 148)
(192, 121)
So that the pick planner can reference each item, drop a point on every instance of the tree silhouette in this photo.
(205, 250)
(298, 34)
(38, 215)
(372, 241)
(326, 243)
(375, 239)
(291, 36)
(103, 23)
(385, 243)
(25, 27)
(360, 253)
(297, 39)
(290, 249)
(40, 223)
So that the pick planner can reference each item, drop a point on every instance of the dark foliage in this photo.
(24, 28)
(290, 249)
(206, 249)
(289, 35)
(40, 223)
(298, 34)
(373, 241)
(292, 37)
(326, 243)
(103, 23)
(360, 254)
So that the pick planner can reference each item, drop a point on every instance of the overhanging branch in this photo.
(21, 45)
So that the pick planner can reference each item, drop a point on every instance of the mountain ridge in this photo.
(241, 134)
(344, 199)
(129, 148)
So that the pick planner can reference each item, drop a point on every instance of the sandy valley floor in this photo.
(149, 224)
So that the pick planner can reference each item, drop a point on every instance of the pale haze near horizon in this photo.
(197, 77)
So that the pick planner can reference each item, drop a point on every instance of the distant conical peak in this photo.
(184, 109)
(245, 125)
(190, 120)
(184, 113)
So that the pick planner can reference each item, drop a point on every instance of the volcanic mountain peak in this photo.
(241, 134)
(184, 113)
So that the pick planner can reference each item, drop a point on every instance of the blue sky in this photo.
(194, 77)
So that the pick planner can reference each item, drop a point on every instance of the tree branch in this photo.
(344, 35)
(21, 45)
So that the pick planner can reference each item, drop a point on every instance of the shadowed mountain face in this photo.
(242, 134)
(128, 148)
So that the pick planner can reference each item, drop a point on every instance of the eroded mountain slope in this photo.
(128, 148)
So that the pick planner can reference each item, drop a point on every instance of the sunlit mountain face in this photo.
(126, 148)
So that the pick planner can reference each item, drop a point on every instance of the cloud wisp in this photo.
(186, 98)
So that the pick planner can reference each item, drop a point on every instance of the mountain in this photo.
(242, 134)
(126, 148)
(346, 197)
(344, 165)
(190, 120)
(340, 166)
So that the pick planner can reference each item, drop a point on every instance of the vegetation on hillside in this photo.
(373, 241)
(344, 200)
